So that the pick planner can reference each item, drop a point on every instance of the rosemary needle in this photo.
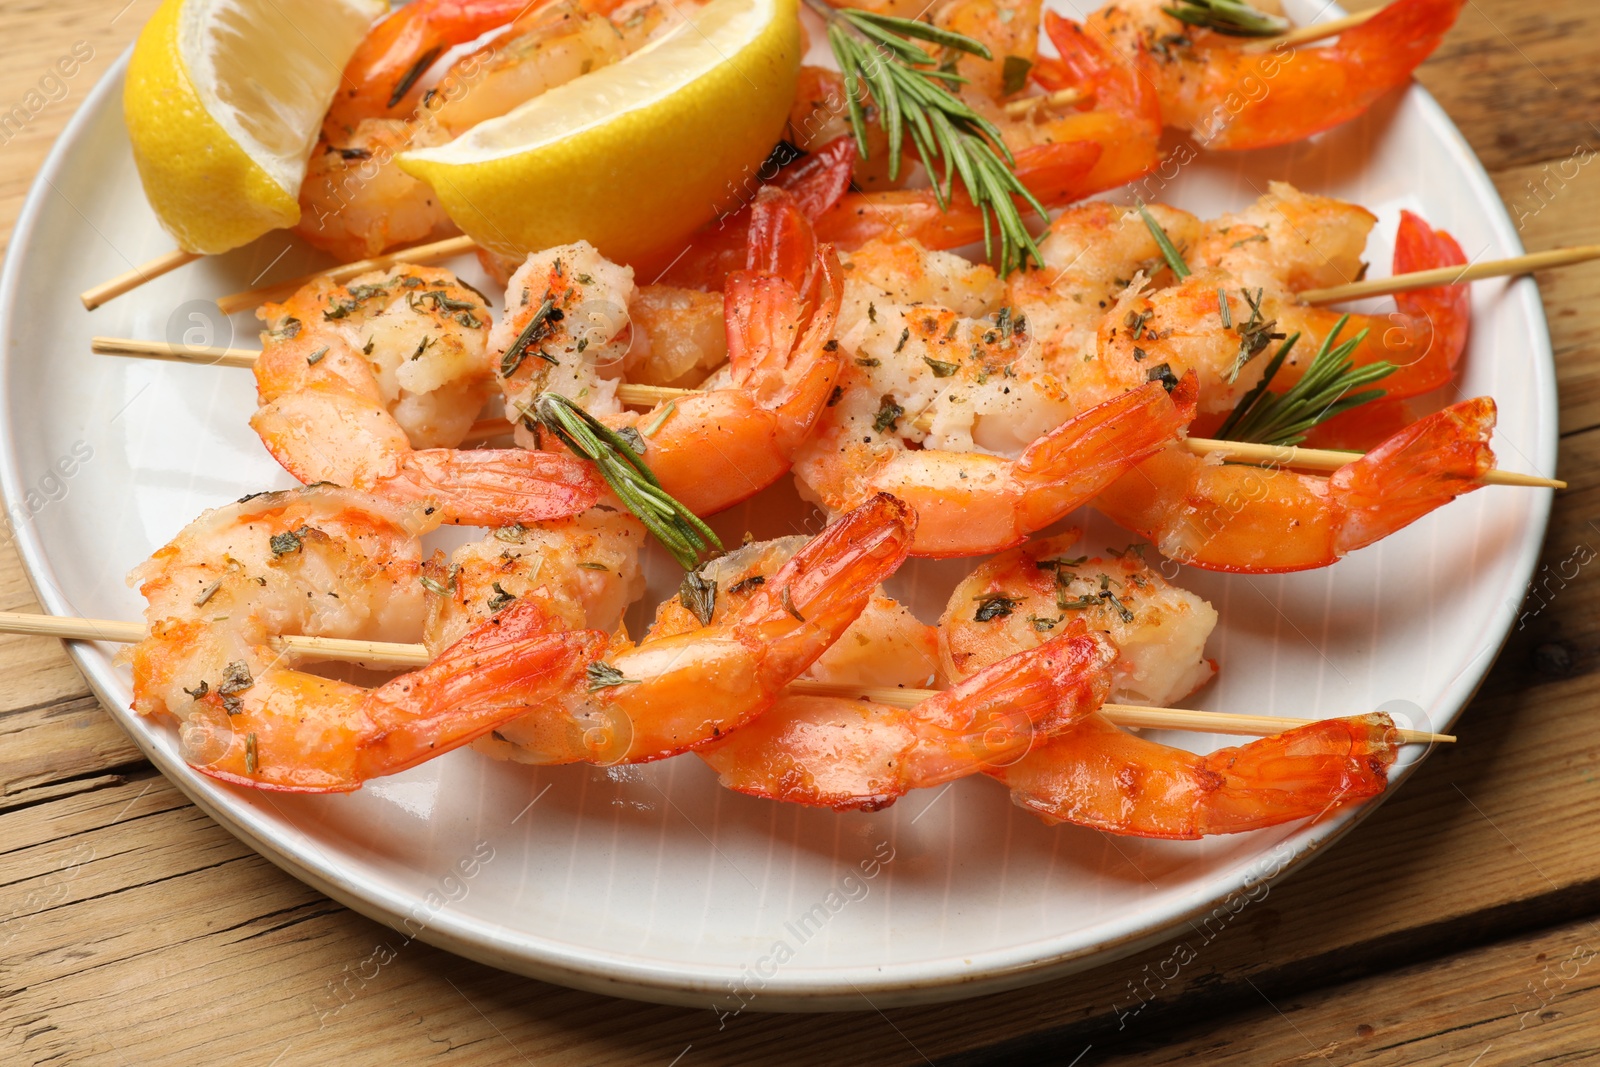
(1169, 252)
(674, 525)
(913, 93)
(1328, 388)
(1232, 17)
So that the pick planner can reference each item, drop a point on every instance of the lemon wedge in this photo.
(636, 155)
(223, 102)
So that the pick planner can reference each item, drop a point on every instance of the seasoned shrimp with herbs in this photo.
(371, 385)
(944, 401)
(583, 571)
(1224, 309)
(1230, 92)
(322, 562)
(1022, 598)
(698, 675)
(356, 200)
(567, 330)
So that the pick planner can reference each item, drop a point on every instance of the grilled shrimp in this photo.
(355, 200)
(1258, 520)
(567, 330)
(323, 562)
(370, 385)
(944, 402)
(687, 682)
(1230, 93)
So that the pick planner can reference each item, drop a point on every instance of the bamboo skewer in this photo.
(428, 253)
(71, 629)
(402, 655)
(1320, 459)
(1315, 31)
(1017, 109)
(1425, 279)
(1121, 714)
(651, 395)
(452, 246)
(129, 280)
(1396, 283)
(161, 350)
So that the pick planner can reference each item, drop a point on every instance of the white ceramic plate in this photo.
(652, 882)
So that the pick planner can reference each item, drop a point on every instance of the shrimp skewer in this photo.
(567, 327)
(355, 200)
(1232, 96)
(685, 684)
(371, 385)
(855, 754)
(1112, 138)
(1050, 747)
(1097, 774)
(1094, 773)
(1261, 520)
(1250, 262)
(323, 562)
(955, 413)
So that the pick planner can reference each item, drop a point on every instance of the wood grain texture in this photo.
(134, 930)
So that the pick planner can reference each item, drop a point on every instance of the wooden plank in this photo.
(1548, 201)
(41, 34)
(1518, 79)
(1531, 999)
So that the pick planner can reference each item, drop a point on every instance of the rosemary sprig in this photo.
(674, 525)
(1169, 251)
(1328, 388)
(1232, 17)
(912, 91)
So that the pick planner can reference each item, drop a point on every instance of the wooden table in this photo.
(1457, 925)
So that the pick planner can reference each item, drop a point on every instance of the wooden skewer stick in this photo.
(144, 272)
(1397, 283)
(70, 629)
(161, 350)
(1017, 109)
(1326, 460)
(1424, 279)
(400, 655)
(428, 253)
(1121, 714)
(651, 395)
(1315, 31)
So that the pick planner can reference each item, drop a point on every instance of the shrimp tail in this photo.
(1126, 121)
(781, 242)
(382, 77)
(828, 582)
(296, 740)
(1314, 89)
(1424, 466)
(815, 184)
(1440, 314)
(1071, 464)
(997, 714)
(781, 312)
(1099, 775)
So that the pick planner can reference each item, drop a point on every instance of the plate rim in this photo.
(615, 974)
